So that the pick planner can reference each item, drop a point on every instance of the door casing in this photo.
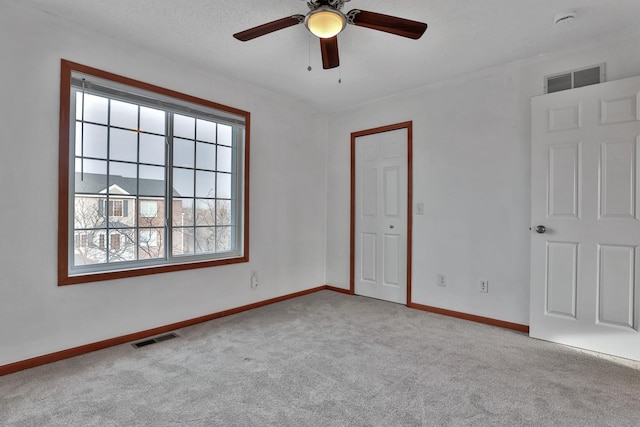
(354, 135)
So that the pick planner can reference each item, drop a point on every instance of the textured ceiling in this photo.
(464, 36)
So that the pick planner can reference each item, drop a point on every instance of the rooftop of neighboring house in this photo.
(91, 183)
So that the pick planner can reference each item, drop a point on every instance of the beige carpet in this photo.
(328, 359)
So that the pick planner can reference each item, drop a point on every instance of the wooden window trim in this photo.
(64, 278)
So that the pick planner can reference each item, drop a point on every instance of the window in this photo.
(116, 207)
(115, 242)
(163, 174)
(81, 240)
(148, 209)
(149, 238)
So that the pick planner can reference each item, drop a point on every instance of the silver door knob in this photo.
(541, 229)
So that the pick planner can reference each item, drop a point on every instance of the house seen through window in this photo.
(154, 180)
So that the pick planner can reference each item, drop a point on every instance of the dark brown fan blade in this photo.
(329, 48)
(269, 27)
(388, 24)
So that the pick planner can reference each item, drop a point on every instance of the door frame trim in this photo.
(404, 125)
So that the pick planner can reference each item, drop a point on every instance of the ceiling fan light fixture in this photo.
(325, 22)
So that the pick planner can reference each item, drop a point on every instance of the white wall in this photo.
(287, 219)
(472, 172)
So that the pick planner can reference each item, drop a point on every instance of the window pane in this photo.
(205, 156)
(206, 131)
(182, 212)
(79, 106)
(152, 181)
(124, 115)
(223, 212)
(205, 212)
(183, 241)
(122, 245)
(223, 239)
(205, 240)
(90, 252)
(86, 212)
(224, 135)
(223, 185)
(225, 159)
(121, 212)
(122, 178)
(78, 140)
(148, 208)
(205, 184)
(95, 108)
(151, 213)
(90, 176)
(114, 241)
(115, 207)
(183, 182)
(83, 249)
(123, 145)
(151, 243)
(184, 126)
(152, 149)
(183, 153)
(152, 120)
(95, 141)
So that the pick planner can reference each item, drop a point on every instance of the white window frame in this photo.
(78, 79)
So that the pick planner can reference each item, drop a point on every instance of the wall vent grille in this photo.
(155, 340)
(575, 78)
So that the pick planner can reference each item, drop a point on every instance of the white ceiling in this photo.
(464, 36)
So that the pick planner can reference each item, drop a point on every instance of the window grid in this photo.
(196, 233)
(113, 207)
(211, 217)
(124, 169)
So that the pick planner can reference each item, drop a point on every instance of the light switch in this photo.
(420, 209)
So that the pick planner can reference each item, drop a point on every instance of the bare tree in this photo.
(102, 237)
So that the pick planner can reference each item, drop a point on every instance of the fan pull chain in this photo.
(339, 75)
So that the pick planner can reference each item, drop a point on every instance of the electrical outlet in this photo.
(254, 279)
(484, 286)
(442, 280)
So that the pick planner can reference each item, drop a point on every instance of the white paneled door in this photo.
(381, 194)
(585, 218)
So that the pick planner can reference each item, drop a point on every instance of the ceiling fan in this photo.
(326, 20)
